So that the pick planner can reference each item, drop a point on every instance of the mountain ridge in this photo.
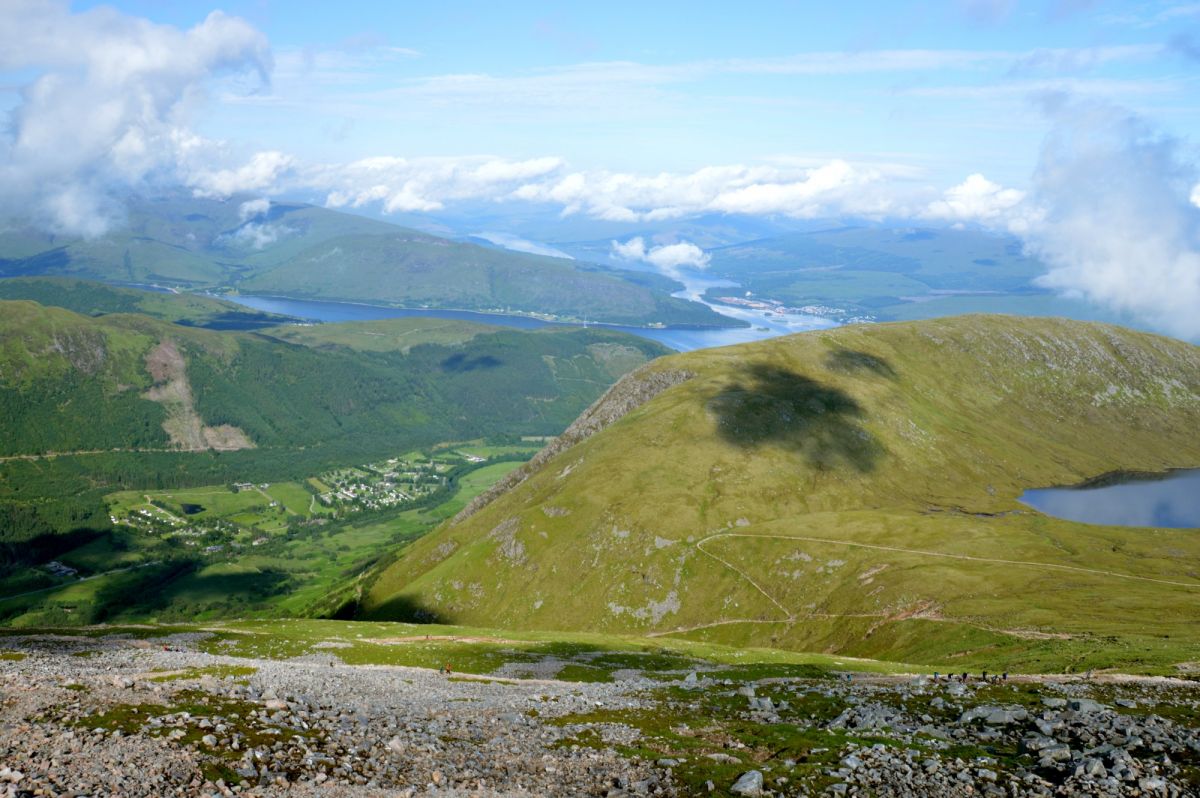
(305, 251)
(899, 475)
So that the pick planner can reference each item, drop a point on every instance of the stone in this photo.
(1003, 717)
(720, 757)
(1059, 752)
(749, 783)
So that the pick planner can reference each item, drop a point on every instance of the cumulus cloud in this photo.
(1118, 224)
(669, 259)
(423, 184)
(262, 172)
(257, 236)
(252, 209)
(518, 244)
(836, 187)
(979, 200)
(106, 106)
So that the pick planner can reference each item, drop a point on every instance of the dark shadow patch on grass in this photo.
(768, 405)
(851, 361)
(408, 610)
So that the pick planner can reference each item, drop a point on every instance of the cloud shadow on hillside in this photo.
(768, 405)
(851, 361)
(460, 363)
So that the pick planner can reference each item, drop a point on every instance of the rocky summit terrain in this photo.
(114, 715)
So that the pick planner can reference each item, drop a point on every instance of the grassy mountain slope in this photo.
(98, 299)
(300, 250)
(413, 269)
(156, 398)
(851, 491)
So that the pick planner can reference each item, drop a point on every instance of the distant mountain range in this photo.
(304, 251)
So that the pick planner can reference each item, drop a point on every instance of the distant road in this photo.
(51, 455)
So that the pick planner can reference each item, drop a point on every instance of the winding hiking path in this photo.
(792, 617)
(926, 553)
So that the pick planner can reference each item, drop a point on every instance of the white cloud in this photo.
(251, 209)
(518, 244)
(257, 236)
(834, 188)
(668, 258)
(107, 106)
(1118, 221)
(422, 184)
(1195, 195)
(1077, 59)
(261, 173)
(979, 200)
(1023, 89)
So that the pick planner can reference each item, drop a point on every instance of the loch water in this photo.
(1170, 500)
(683, 339)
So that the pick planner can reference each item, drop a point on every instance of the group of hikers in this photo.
(965, 677)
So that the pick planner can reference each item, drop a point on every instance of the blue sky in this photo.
(942, 88)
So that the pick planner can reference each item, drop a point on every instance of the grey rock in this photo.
(749, 783)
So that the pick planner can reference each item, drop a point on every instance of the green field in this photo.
(268, 561)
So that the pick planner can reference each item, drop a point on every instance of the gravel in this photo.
(295, 727)
(107, 724)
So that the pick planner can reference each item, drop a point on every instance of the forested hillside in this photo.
(126, 401)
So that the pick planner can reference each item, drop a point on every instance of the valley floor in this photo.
(321, 708)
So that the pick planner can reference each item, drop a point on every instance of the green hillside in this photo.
(98, 299)
(303, 251)
(415, 270)
(851, 491)
(145, 403)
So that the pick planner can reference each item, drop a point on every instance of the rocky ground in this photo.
(117, 716)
